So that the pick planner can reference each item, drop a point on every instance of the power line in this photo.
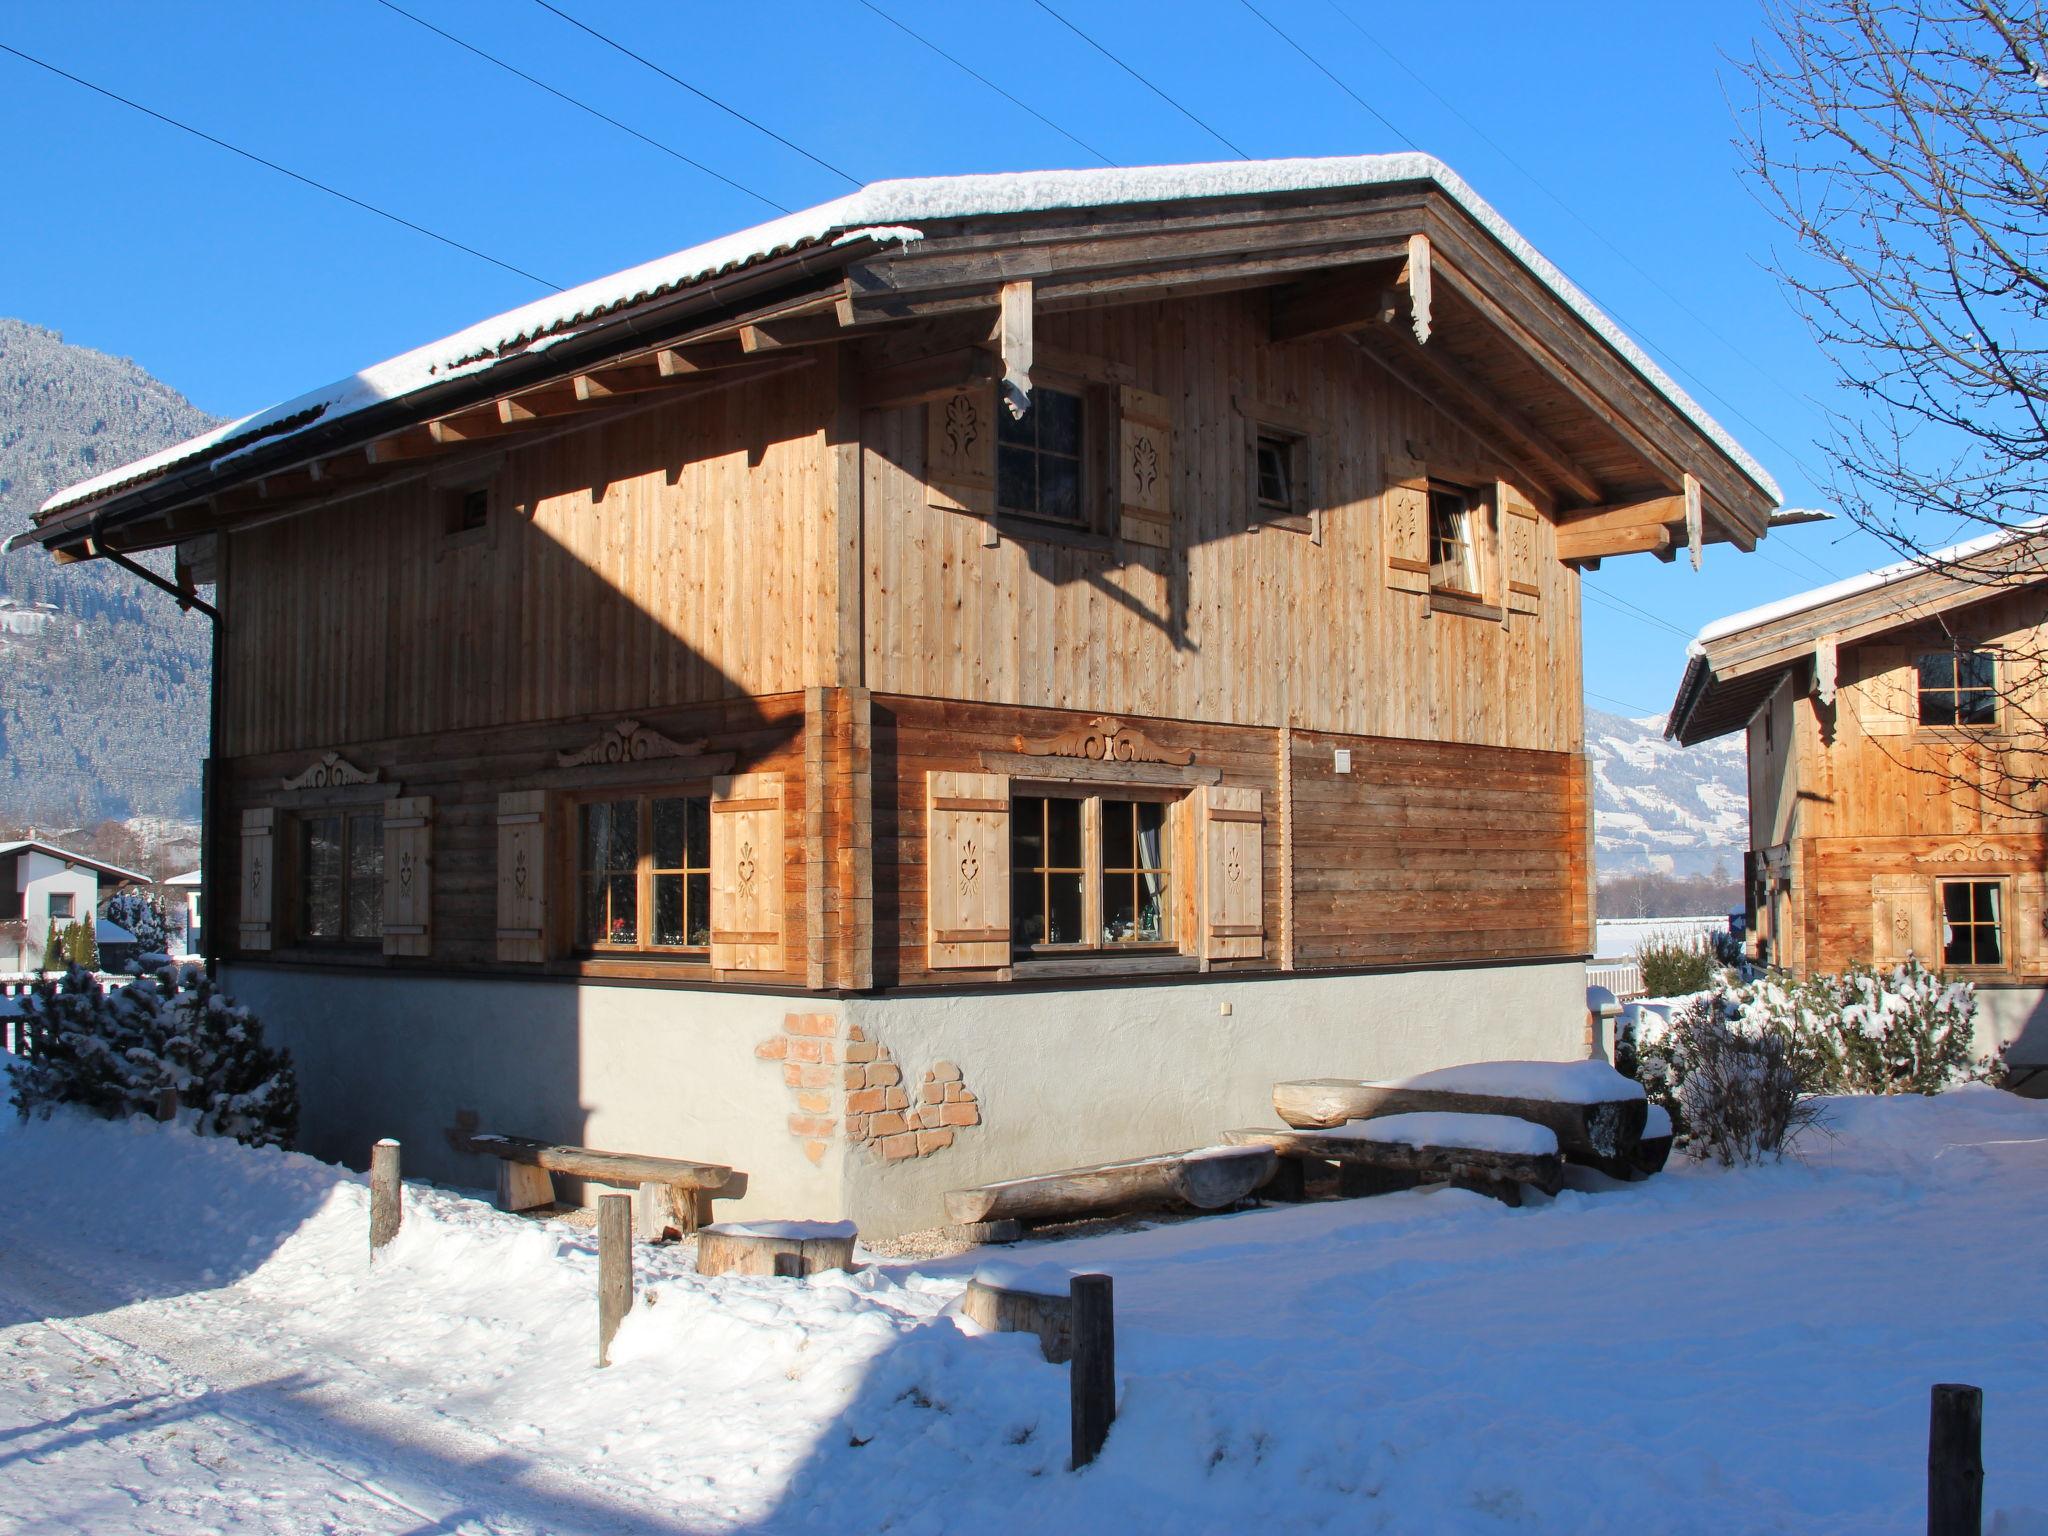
(1622, 703)
(282, 170)
(729, 111)
(984, 79)
(1120, 64)
(582, 106)
(1623, 606)
(1318, 63)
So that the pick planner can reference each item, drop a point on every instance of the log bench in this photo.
(1208, 1178)
(672, 1194)
(1490, 1154)
(1596, 1114)
(1015, 1298)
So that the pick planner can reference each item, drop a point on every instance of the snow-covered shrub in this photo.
(1674, 967)
(138, 912)
(115, 1052)
(1727, 947)
(1903, 1030)
(1732, 1087)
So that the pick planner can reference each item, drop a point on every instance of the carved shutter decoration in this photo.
(1233, 886)
(1404, 524)
(1522, 528)
(746, 872)
(967, 870)
(259, 876)
(1902, 919)
(408, 876)
(960, 450)
(522, 875)
(1145, 467)
(1887, 690)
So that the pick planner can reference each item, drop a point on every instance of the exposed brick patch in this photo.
(854, 1087)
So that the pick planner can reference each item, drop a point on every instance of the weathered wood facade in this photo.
(1884, 799)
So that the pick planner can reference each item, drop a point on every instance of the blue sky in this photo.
(1602, 131)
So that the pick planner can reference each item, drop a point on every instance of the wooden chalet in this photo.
(980, 675)
(1895, 772)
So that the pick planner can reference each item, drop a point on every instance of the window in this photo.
(341, 876)
(472, 510)
(1958, 688)
(1276, 475)
(63, 904)
(643, 873)
(1039, 459)
(1453, 562)
(1088, 873)
(465, 512)
(1972, 927)
(1280, 480)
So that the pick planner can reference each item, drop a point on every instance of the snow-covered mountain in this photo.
(1659, 806)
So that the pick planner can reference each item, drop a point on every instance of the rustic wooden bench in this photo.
(673, 1194)
(1492, 1154)
(1015, 1298)
(1596, 1114)
(1207, 1178)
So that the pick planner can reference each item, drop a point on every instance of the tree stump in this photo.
(751, 1248)
(1006, 1298)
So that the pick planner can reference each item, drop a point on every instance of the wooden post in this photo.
(167, 1105)
(385, 1211)
(1955, 1462)
(614, 1269)
(791, 1266)
(1094, 1370)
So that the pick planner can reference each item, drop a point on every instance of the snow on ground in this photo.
(192, 1339)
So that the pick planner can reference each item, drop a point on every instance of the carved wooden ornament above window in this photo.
(628, 742)
(1104, 740)
(329, 772)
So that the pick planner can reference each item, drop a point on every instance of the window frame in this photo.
(1101, 499)
(1472, 529)
(645, 872)
(1092, 797)
(1955, 691)
(2001, 927)
(70, 900)
(347, 815)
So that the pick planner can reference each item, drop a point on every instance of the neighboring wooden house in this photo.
(976, 677)
(1895, 729)
(41, 885)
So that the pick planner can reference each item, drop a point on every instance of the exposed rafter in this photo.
(1583, 544)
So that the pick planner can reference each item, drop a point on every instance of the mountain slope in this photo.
(1659, 806)
(102, 679)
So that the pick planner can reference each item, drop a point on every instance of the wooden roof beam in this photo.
(1422, 370)
(532, 406)
(469, 426)
(698, 357)
(1346, 300)
(397, 447)
(1643, 538)
(773, 335)
(1657, 509)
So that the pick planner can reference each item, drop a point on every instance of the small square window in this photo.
(465, 512)
(1453, 560)
(1973, 923)
(63, 904)
(1958, 688)
(1276, 474)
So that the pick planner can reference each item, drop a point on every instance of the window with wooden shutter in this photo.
(522, 875)
(746, 872)
(1887, 690)
(1144, 468)
(1521, 529)
(967, 870)
(259, 877)
(408, 876)
(1902, 919)
(1233, 888)
(1404, 523)
(960, 450)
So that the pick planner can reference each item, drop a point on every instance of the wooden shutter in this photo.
(522, 875)
(746, 872)
(1233, 885)
(408, 876)
(1887, 690)
(259, 876)
(1902, 919)
(2025, 939)
(1404, 524)
(960, 450)
(967, 871)
(1521, 529)
(1145, 468)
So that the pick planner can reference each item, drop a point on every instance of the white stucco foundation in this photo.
(1061, 1077)
(2016, 1017)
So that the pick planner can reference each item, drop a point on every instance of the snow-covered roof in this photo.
(105, 932)
(20, 845)
(890, 211)
(1955, 555)
(192, 877)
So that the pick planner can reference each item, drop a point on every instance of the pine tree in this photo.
(81, 945)
(139, 913)
(53, 948)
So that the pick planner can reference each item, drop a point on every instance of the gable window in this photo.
(341, 876)
(1453, 557)
(471, 510)
(1958, 688)
(643, 873)
(1972, 923)
(1089, 872)
(1040, 459)
(63, 904)
(1280, 480)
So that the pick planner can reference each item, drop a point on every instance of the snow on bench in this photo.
(1494, 1154)
(1208, 1178)
(1025, 1298)
(1595, 1112)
